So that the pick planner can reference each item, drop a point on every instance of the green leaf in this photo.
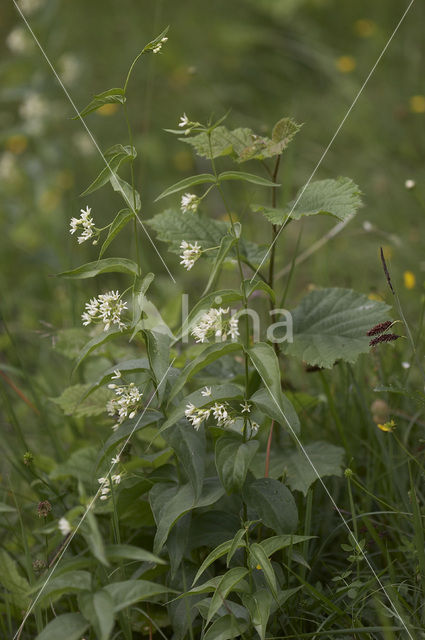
(97, 341)
(173, 227)
(128, 427)
(111, 96)
(98, 607)
(258, 557)
(186, 183)
(282, 411)
(208, 355)
(126, 191)
(326, 458)
(122, 154)
(224, 587)
(68, 582)
(276, 543)
(130, 552)
(79, 465)
(93, 537)
(215, 554)
(259, 604)
(13, 582)
(226, 244)
(118, 224)
(339, 198)
(331, 324)
(190, 448)
(158, 349)
(126, 366)
(246, 177)
(272, 400)
(68, 626)
(6, 508)
(128, 592)
(236, 543)
(223, 142)
(274, 504)
(259, 285)
(232, 459)
(74, 401)
(225, 628)
(107, 265)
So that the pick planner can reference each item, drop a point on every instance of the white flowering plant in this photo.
(202, 485)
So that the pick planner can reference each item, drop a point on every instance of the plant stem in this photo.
(274, 228)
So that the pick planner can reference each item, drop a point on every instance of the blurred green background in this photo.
(262, 59)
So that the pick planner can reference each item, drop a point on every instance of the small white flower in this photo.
(85, 223)
(191, 253)
(196, 416)
(410, 184)
(254, 428)
(405, 365)
(106, 308)
(115, 460)
(212, 324)
(246, 407)
(19, 41)
(221, 414)
(206, 391)
(367, 226)
(189, 203)
(64, 526)
(117, 374)
(159, 44)
(184, 121)
(125, 404)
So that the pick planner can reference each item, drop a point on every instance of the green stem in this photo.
(334, 411)
(136, 234)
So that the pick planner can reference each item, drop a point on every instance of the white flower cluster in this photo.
(105, 483)
(85, 222)
(107, 308)
(189, 202)
(19, 41)
(64, 526)
(191, 253)
(157, 48)
(213, 324)
(125, 404)
(219, 411)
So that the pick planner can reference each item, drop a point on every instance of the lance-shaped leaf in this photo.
(259, 560)
(277, 408)
(98, 607)
(95, 342)
(130, 196)
(331, 324)
(226, 244)
(186, 183)
(68, 626)
(274, 504)
(111, 96)
(339, 198)
(120, 154)
(215, 554)
(247, 177)
(129, 427)
(107, 265)
(276, 543)
(118, 224)
(129, 592)
(232, 459)
(131, 552)
(190, 448)
(224, 587)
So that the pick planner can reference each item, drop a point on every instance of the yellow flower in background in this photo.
(345, 64)
(417, 104)
(375, 296)
(387, 426)
(258, 567)
(409, 279)
(16, 144)
(107, 109)
(364, 27)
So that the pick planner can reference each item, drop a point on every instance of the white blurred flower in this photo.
(86, 223)
(125, 404)
(115, 460)
(158, 46)
(106, 308)
(184, 121)
(367, 226)
(196, 416)
(206, 391)
(84, 143)
(189, 202)
(8, 166)
(30, 6)
(212, 324)
(34, 110)
(69, 68)
(410, 184)
(405, 365)
(105, 485)
(19, 40)
(221, 414)
(191, 253)
(64, 526)
(254, 428)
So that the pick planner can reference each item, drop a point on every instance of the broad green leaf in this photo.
(339, 198)
(223, 142)
(97, 341)
(263, 147)
(93, 537)
(68, 626)
(232, 459)
(190, 448)
(126, 191)
(208, 355)
(13, 582)
(276, 543)
(111, 96)
(74, 401)
(226, 244)
(69, 342)
(123, 154)
(259, 559)
(246, 177)
(281, 411)
(68, 582)
(186, 183)
(259, 604)
(118, 224)
(218, 392)
(225, 628)
(274, 504)
(130, 552)
(179, 504)
(271, 400)
(79, 465)
(128, 592)
(236, 543)
(327, 459)
(107, 265)
(98, 607)
(215, 554)
(224, 587)
(158, 349)
(259, 285)
(223, 297)
(331, 324)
